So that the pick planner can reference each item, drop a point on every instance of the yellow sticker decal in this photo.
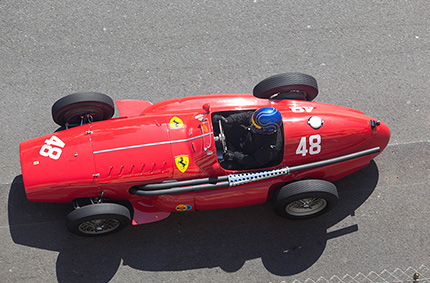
(176, 123)
(182, 162)
(183, 207)
(204, 127)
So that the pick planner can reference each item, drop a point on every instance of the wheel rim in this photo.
(78, 115)
(98, 226)
(306, 206)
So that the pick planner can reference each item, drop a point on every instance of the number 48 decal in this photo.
(52, 148)
(314, 145)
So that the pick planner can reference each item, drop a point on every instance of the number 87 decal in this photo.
(314, 145)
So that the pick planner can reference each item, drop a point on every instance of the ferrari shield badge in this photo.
(176, 123)
(182, 162)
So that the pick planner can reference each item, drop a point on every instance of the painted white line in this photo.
(406, 143)
(385, 276)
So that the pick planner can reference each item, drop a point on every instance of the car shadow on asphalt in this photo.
(184, 241)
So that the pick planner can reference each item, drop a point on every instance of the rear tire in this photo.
(98, 219)
(287, 86)
(305, 199)
(92, 106)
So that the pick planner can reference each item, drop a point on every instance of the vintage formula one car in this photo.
(159, 158)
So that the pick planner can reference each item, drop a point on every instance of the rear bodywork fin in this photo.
(131, 108)
(146, 213)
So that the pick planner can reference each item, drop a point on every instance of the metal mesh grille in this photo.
(243, 178)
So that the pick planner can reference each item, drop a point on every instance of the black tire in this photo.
(98, 219)
(305, 199)
(70, 109)
(287, 86)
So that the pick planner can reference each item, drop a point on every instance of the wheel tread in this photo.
(74, 101)
(88, 212)
(305, 189)
(286, 82)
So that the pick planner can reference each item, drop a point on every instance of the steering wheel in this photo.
(221, 137)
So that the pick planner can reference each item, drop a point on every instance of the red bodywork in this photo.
(174, 140)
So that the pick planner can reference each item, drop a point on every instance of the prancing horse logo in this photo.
(176, 123)
(182, 162)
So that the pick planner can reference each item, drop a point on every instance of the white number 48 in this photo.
(52, 148)
(314, 145)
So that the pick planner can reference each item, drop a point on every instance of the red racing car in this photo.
(155, 159)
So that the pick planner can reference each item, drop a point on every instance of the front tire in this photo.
(287, 86)
(305, 199)
(77, 108)
(98, 219)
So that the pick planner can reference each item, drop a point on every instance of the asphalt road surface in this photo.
(372, 55)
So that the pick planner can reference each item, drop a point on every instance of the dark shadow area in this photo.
(206, 239)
